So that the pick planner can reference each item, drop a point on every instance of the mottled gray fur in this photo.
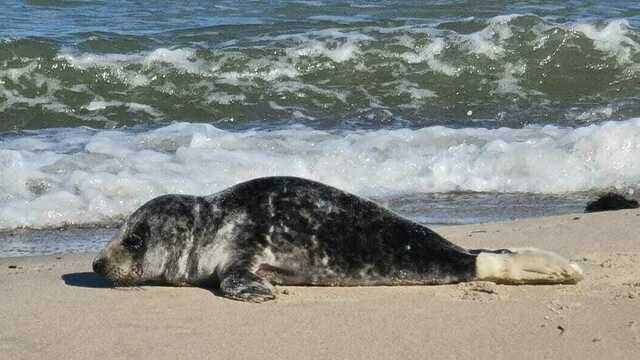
(290, 231)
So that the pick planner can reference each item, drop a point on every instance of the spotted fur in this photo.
(287, 231)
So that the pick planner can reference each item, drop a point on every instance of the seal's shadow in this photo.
(86, 280)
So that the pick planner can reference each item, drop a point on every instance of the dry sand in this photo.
(54, 308)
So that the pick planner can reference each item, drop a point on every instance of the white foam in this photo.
(120, 67)
(510, 79)
(414, 90)
(334, 44)
(225, 99)
(310, 3)
(489, 40)
(95, 105)
(338, 52)
(28, 74)
(183, 58)
(431, 55)
(613, 38)
(83, 176)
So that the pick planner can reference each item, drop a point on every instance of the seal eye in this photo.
(133, 242)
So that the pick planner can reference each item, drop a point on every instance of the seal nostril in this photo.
(99, 266)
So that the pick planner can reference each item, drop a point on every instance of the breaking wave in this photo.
(508, 70)
(81, 176)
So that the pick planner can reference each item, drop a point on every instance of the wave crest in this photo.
(508, 70)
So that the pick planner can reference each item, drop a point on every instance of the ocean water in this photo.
(448, 112)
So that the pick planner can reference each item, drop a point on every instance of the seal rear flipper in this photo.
(526, 266)
(244, 285)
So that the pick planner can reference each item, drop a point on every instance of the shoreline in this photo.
(53, 306)
(85, 238)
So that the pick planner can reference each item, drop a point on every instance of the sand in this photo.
(53, 307)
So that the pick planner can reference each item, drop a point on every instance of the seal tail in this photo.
(525, 266)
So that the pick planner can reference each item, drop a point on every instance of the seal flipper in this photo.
(526, 266)
(244, 285)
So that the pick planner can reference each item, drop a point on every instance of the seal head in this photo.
(146, 247)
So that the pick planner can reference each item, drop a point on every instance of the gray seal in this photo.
(271, 231)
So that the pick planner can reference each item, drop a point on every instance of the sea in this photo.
(447, 112)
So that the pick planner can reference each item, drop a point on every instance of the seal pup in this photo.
(292, 231)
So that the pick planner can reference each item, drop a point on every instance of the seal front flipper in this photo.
(243, 285)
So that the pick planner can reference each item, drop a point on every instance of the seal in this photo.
(271, 231)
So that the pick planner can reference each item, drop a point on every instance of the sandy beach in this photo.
(54, 307)
(506, 116)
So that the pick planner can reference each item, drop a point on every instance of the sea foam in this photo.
(81, 176)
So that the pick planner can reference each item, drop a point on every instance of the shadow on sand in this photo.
(86, 280)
